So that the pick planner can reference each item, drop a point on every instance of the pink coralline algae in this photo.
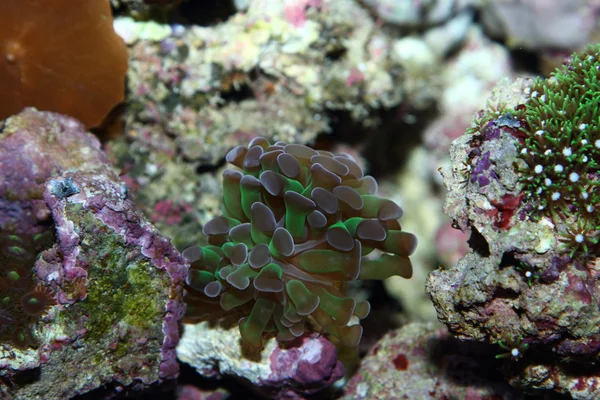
(298, 369)
(312, 365)
(295, 11)
(116, 282)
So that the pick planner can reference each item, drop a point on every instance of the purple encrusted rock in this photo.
(117, 283)
(481, 172)
(35, 146)
(311, 364)
(286, 370)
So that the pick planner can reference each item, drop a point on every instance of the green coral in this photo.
(297, 226)
(561, 148)
(23, 299)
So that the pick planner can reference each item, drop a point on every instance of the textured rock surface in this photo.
(32, 151)
(423, 361)
(284, 70)
(280, 371)
(142, 8)
(542, 24)
(518, 285)
(412, 14)
(117, 283)
(189, 392)
(468, 78)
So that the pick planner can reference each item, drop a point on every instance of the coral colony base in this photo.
(297, 226)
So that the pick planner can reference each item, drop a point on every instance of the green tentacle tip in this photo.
(560, 149)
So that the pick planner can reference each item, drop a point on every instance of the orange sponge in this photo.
(62, 56)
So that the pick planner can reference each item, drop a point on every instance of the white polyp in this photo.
(567, 151)
(539, 132)
(573, 176)
(538, 169)
(548, 181)
(558, 168)
(555, 196)
(515, 352)
(579, 238)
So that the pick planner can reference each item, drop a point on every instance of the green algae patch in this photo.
(123, 289)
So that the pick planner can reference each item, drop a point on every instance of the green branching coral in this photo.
(297, 225)
(561, 147)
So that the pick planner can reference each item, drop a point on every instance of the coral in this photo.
(423, 361)
(289, 370)
(560, 146)
(286, 70)
(515, 348)
(22, 299)
(60, 56)
(113, 283)
(533, 270)
(297, 226)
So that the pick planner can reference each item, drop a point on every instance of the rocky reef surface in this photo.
(288, 370)
(522, 183)
(423, 361)
(112, 284)
(92, 290)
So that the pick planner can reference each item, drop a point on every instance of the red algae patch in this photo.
(401, 362)
(62, 56)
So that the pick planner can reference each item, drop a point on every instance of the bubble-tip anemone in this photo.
(296, 226)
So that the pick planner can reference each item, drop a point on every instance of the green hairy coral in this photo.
(297, 226)
(561, 148)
